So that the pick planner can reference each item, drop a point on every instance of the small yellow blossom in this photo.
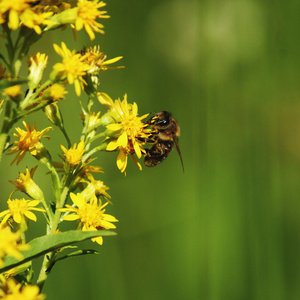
(14, 8)
(33, 20)
(13, 290)
(95, 187)
(72, 67)
(97, 60)
(37, 64)
(93, 118)
(91, 215)
(57, 91)
(9, 245)
(26, 184)
(29, 141)
(88, 169)
(87, 14)
(13, 91)
(20, 210)
(127, 133)
(74, 155)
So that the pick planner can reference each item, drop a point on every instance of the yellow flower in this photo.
(91, 215)
(92, 120)
(86, 17)
(56, 91)
(95, 187)
(26, 184)
(97, 60)
(12, 290)
(13, 91)
(127, 133)
(9, 244)
(14, 8)
(29, 140)
(88, 169)
(37, 64)
(72, 67)
(20, 210)
(32, 19)
(74, 154)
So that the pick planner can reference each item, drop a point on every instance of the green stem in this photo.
(48, 210)
(66, 136)
(7, 124)
(49, 257)
(94, 150)
(30, 97)
(102, 134)
(47, 261)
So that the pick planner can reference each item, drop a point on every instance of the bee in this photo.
(165, 135)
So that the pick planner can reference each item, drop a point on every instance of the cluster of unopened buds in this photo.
(77, 194)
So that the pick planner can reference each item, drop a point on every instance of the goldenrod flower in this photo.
(13, 91)
(72, 67)
(33, 20)
(56, 91)
(87, 14)
(20, 210)
(127, 133)
(29, 141)
(88, 169)
(74, 155)
(9, 245)
(14, 8)
(95, 187)
(92, 119)
(21, 10)
(26, 184)
(97, 60)
(91, 215)
(13, 290)
(37, 64)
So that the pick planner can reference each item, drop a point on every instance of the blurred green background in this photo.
(229, 226)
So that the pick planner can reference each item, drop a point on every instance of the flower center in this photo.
(90, 215)
(87, 11)
(132, 126)
(18, 206)
(73, 157)
(29, 140)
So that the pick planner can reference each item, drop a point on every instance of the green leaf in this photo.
(73, 254)
(48, 243)
(5, 83)
(77, 253)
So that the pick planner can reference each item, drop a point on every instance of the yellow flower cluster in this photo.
(9, 244)
(10, 289)
(46, 15)
(76, 193)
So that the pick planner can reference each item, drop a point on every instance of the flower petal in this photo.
(30, 216)
(113, 145)
(71, 217)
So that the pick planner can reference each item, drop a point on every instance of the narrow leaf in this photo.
(78, 253)
(48, 243)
